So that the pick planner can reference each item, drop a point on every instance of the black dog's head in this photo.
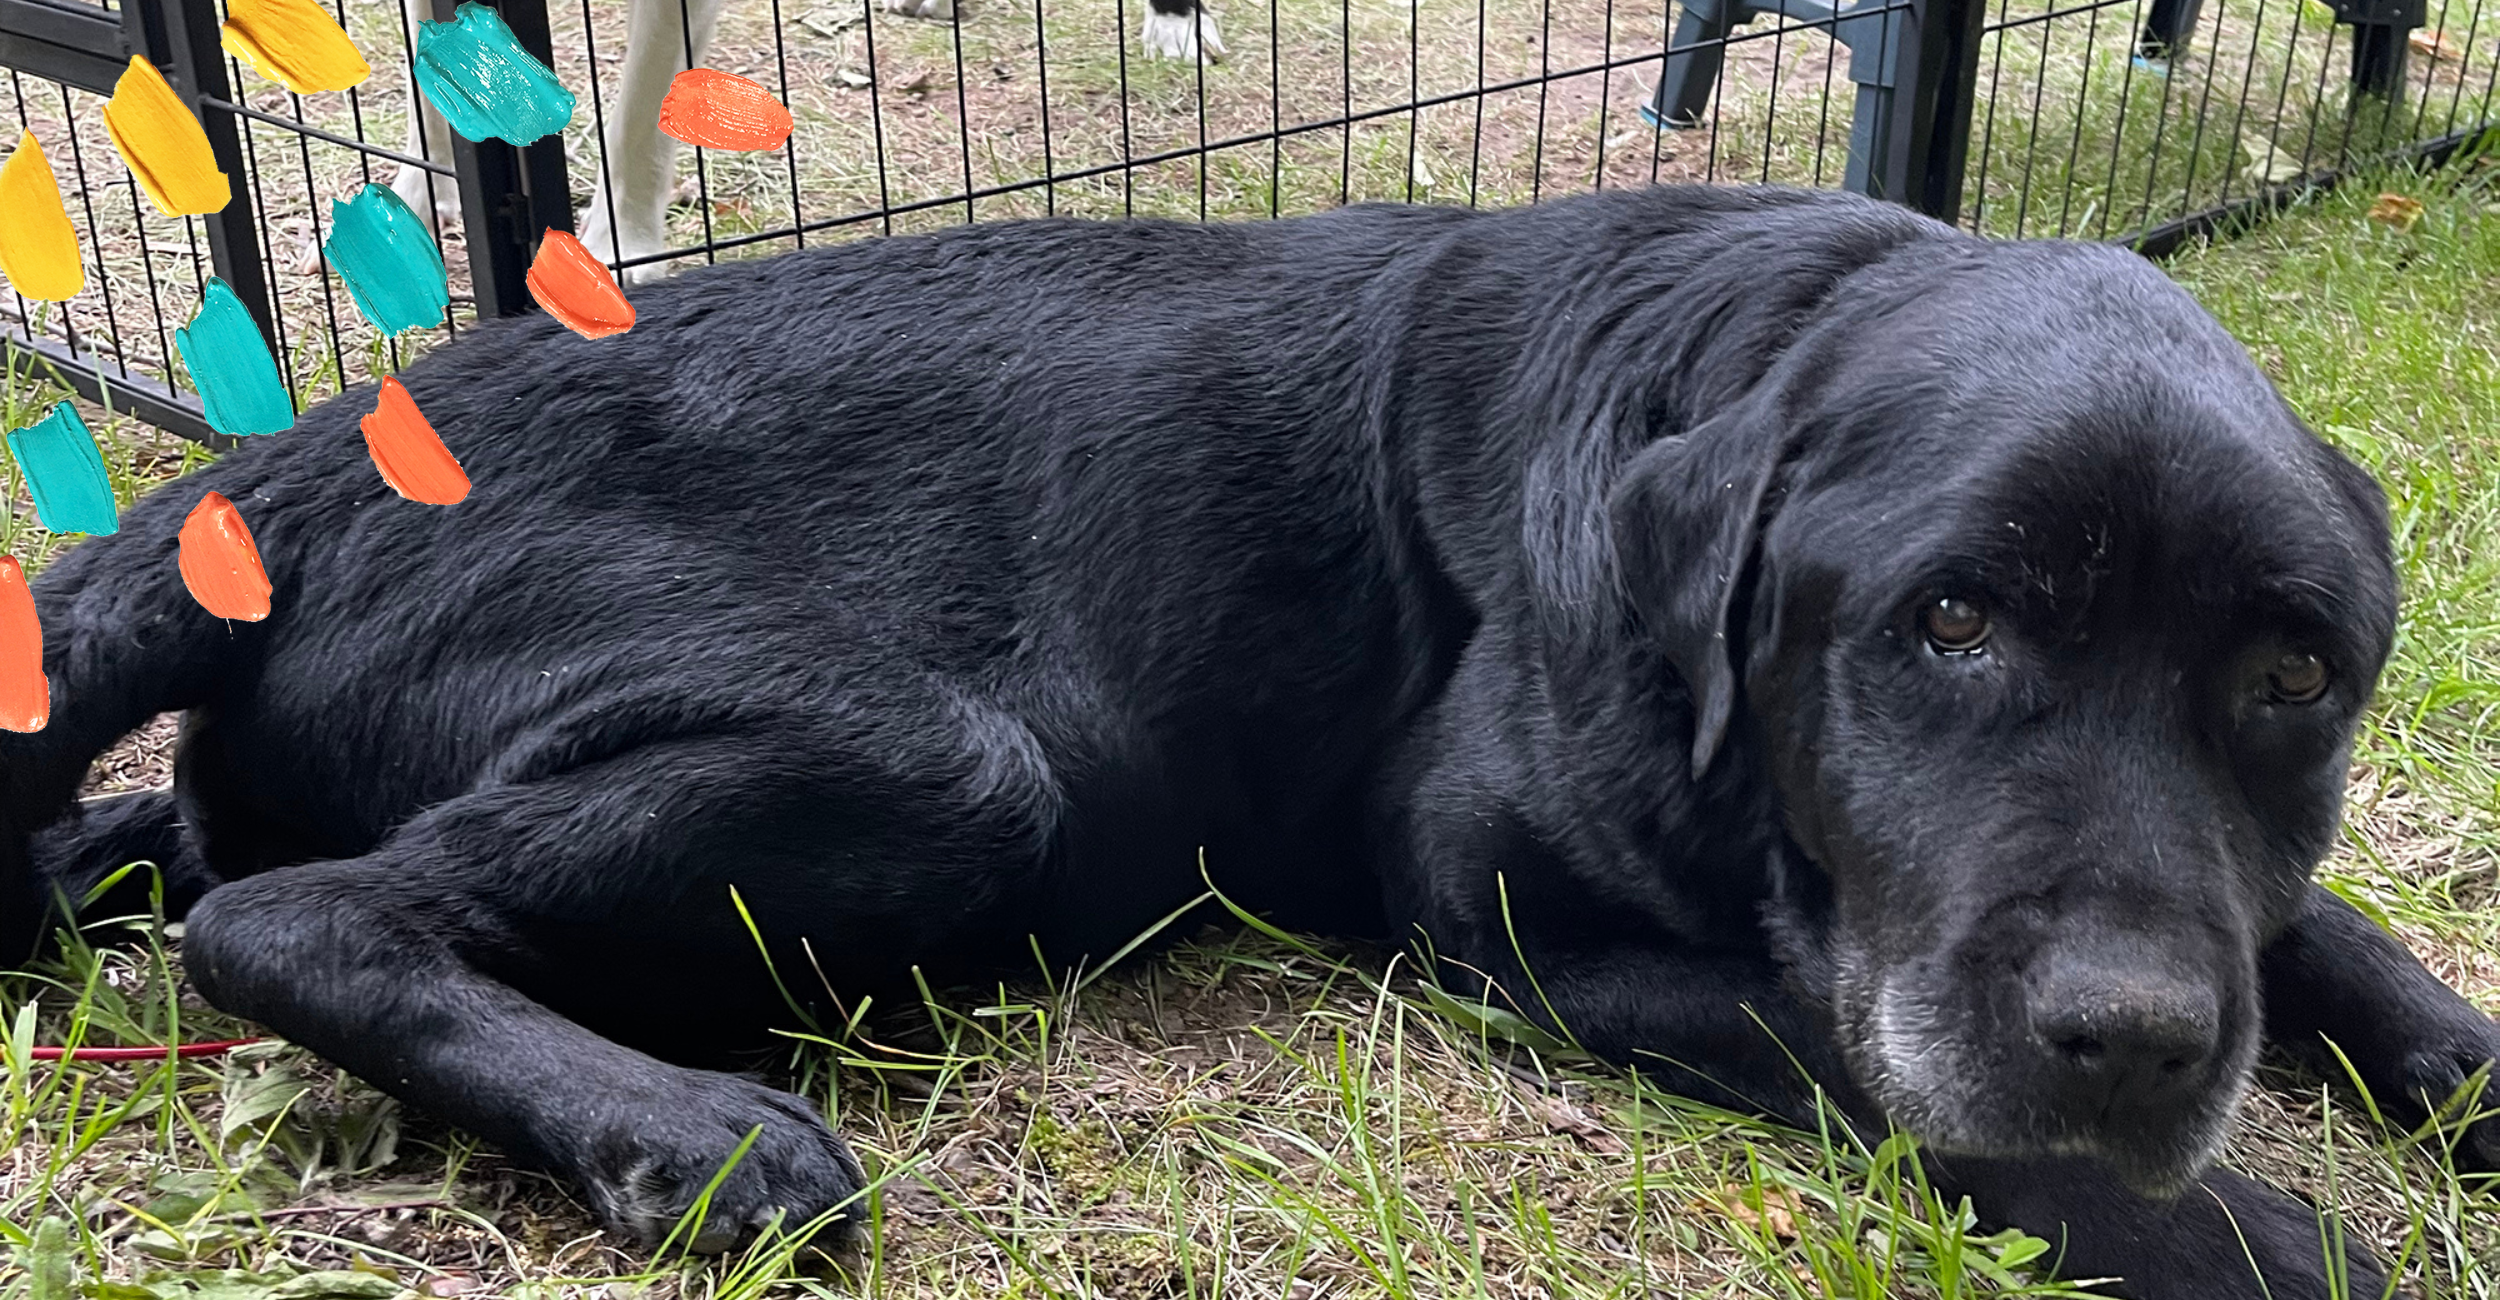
(2052, 623)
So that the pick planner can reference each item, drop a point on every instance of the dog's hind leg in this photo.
(628, 212)
(447, 965)
(123, 641)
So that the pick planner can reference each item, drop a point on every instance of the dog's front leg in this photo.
(433, 196)
(1716, 1027)
(1723, 1029)
(628, 212)
(2335, 976)
(2225, 1238)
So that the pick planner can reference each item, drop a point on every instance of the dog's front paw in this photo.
(434, 198)
(629, 237)
(655, 1157)
(2267, 1245)
(2434, 1074)
(2226, 1238)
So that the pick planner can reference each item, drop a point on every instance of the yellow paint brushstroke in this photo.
(38, 250)
(163, 143)
(295, 43)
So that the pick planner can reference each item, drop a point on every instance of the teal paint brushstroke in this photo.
(65, 474)
(484, 84)
(230, 364)
(392, 268)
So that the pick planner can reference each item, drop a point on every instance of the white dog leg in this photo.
(433, 197)
(628, 212)
(1181, 29)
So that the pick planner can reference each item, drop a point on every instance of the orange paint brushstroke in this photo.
(576, 288)
(220, 564)
(721, 110)
(411, 456)
(25, 697)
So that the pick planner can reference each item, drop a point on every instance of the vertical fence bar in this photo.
(509, 194)
(1925, 147)
(182, 39)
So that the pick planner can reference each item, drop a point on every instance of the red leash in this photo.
(185, 1051)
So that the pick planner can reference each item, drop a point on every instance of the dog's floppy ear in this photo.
(1686, 514)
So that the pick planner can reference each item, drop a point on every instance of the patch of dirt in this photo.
(142, 760)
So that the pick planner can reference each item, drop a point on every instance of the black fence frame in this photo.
(88, 48)
(1915, 63)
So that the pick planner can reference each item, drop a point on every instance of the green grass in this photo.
(1255, 1115)
(2388, 342)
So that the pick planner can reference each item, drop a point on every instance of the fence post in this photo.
(2380, 29)
(183, 37)
(508, 194)
(1925, 140)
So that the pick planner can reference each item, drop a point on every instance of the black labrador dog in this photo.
(1821, 637)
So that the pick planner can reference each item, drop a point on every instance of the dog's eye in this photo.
(1955, 627)
(2297, 678)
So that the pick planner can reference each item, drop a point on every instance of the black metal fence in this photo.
(2136, 120)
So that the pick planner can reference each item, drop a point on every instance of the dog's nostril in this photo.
(2082, 1050)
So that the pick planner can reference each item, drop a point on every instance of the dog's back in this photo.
(1118, 517)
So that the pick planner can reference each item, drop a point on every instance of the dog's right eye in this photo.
(1955, 627)
(2297, 679)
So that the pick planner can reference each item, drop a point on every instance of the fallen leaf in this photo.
(449, 1284)
(1561, 1116)
(917, 83)
(831, 27)
(336, 1284)
(2268, 164)
(2435, 43)
(1777, 1213)
(2396, 210)
(853, 78)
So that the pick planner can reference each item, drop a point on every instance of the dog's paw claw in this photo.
(648, 1171)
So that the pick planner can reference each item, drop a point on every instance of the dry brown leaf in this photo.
(1559, 1115)
(1777, 1213)
(2396, 210)
(2435, 43)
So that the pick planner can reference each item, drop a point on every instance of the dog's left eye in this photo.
(2297, 678)
(1955, 627)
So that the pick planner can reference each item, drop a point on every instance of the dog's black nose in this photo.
(2118, 1031)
